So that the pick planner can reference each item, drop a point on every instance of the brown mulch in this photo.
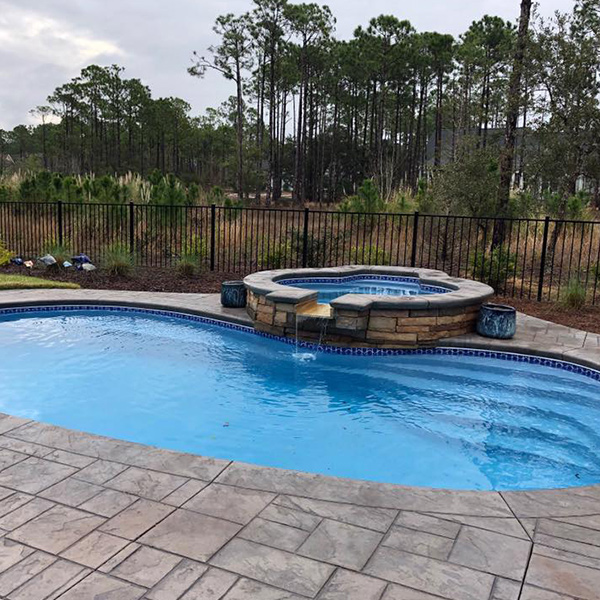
(586, 318)
(155, 279)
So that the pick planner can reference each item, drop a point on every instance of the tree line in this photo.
(499, 108)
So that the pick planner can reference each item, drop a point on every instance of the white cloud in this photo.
(44, 43)
(29, 35)
(36, 49)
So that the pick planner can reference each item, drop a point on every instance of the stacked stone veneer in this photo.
(359, 320)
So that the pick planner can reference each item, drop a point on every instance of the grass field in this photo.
(26, 282)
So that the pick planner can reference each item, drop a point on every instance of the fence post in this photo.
(131, 229)
(413, 251)
(59, 210)
(543, 259)
(305, 239)
(213, 215)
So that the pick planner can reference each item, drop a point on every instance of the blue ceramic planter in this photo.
(497, 321)
(233, 294)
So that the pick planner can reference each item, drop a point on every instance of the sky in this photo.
(45, 43)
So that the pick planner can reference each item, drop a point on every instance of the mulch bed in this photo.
(140, 279)
(169, 280)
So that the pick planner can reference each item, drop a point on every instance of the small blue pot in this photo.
(497, 321)
(233, 294)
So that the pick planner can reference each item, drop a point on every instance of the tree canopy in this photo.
(312, 116)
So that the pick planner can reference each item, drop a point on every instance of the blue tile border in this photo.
(437, 351)
(432, 289)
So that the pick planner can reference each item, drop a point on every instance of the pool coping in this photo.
(461, 292)
(501, 539)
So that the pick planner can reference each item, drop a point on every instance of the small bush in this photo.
(117, 261)
(187, 265)
(5, 254)
(61, 252)
(234, 209)
(574, 295)
(367, 199)
(277, 257)
(371, 255)
(494, 267)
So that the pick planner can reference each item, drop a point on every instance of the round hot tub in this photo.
(330, 288)
(365, 305)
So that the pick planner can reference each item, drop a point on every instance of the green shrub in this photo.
(574, 295)
(117, 260)
(371, 255)
(5, 254)
(187, 265)
(234, 209)
(367, 199)
(494, 267)
(61, 252)
(196, 246)
(277, 256)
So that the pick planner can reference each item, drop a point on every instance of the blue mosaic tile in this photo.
(434, 289)
(437, 351)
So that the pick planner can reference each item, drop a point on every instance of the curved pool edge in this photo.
(274, 479)
(550, 359)
(501, 525)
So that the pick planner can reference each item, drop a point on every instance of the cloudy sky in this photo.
(44, 43)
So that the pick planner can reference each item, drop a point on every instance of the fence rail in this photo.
(530, 258)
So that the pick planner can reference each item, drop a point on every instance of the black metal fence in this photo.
(532, 258)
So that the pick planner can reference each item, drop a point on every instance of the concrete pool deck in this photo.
(84, 516)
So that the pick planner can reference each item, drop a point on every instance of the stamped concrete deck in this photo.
(85, 517)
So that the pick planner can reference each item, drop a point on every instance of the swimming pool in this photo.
(430, 418)
(330, 288)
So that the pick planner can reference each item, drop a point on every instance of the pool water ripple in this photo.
(442, 421)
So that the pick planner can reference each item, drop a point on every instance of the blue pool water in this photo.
(431, 420)
(329, 288)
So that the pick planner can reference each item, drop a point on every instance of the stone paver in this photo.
(226, 502)
(11, 553)
(430, 575)
(136, 519)
(23, 571)
(34, 474)
(275, 567)
(95, 549)
(274, 534)
(146, 566)
(246, 589)
(48, 581)
(378, 519)
(25, 512)
(108, 503)
(419, 542)
(429, 524)
(84, 516)
(180, 579)
(100, 471)
(341, 544)
(491, 552)
(72, 492)
(98, 585)
(191, 534)
(146, 484)
(212, 585)
(347, 585)
(563, 577)
(56, 529)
